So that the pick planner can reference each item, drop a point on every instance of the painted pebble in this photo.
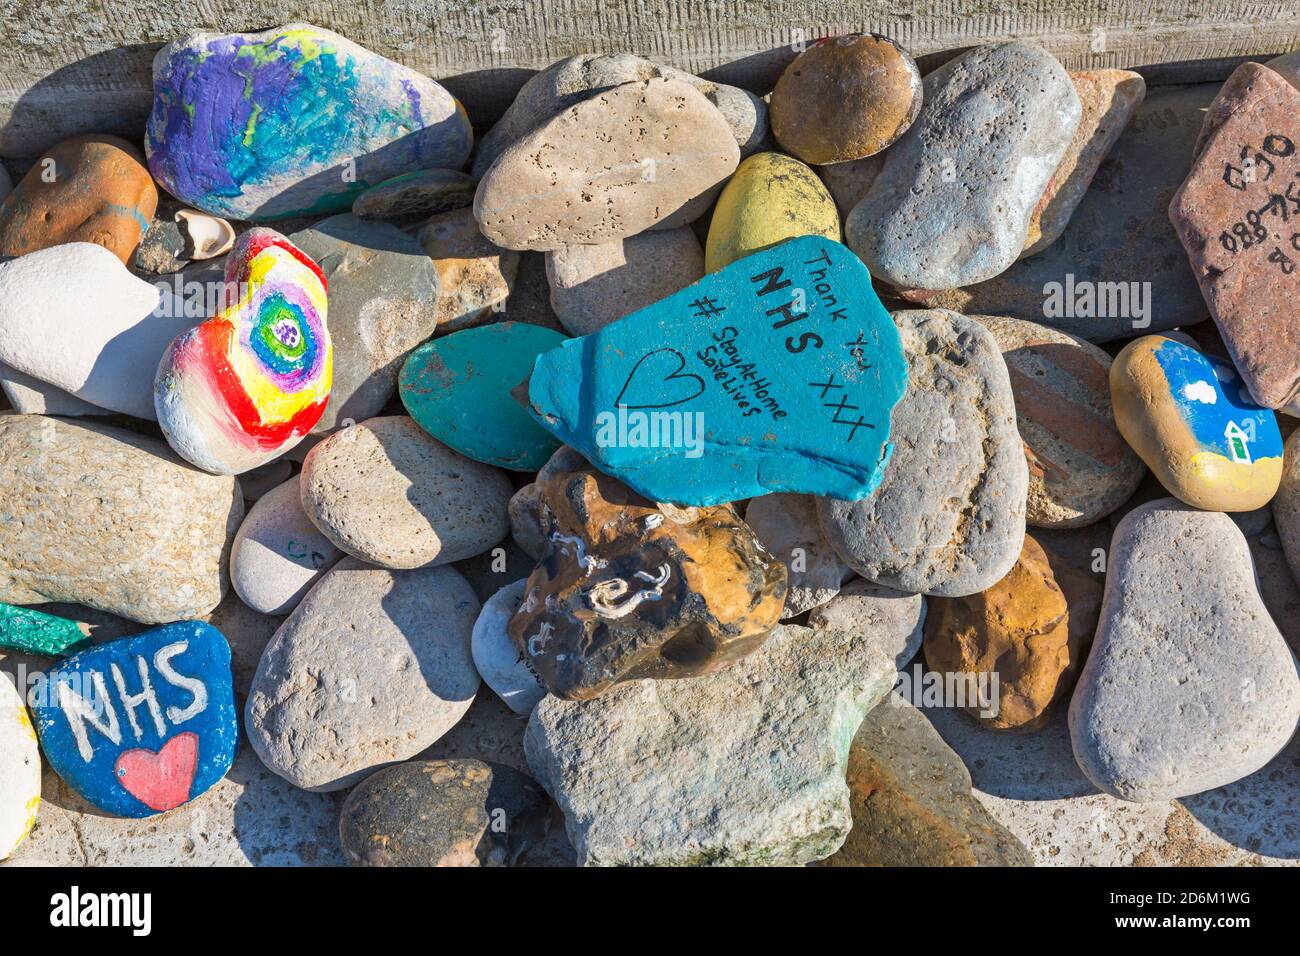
(845, 98)
(371, 668)
(630, 589)
(770, 198)
(582, 176)
(278, 554)
(35, 632)
(443, 813)
(457, 388)
(246, 386)
(20, 769)
(1080, 467)
(1234, 216)
(294, 120)
(948, 517)
(502, 664)
(142, 725)
(952, 205)
(383, 296)
(1189, 417)
(86, 189)
(387, 492)
(781, 375)
(1189, 685)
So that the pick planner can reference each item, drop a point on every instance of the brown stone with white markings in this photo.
(1238, 216)
(632, 589)
(1080, 467)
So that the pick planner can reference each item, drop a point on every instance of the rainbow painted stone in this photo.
(246, 386)
(1190, 418)
(294, 120)
(142, 725)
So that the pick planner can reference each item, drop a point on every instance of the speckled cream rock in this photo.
(845, 98)
(1080, 467)
(387, 492)
(568, 82)
(770, 198)
(111, 519)
(592, 286)
(607, 168)
(371, 668)
(948, 517)
(475, 277)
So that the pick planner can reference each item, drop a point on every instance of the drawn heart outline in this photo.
(162, 780)
(675, 375)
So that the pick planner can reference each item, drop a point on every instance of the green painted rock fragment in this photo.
(35, 632)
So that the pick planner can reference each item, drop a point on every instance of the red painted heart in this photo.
(161, 781)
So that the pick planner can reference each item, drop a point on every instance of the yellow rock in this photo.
(1190, 418)
(770, 198)
(20, 769)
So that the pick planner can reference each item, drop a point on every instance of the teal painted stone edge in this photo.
(35, 632)
(786, 362)
(458, 388)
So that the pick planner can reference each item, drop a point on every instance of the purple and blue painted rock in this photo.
(142, 725)
(778, 373)
(292, 121)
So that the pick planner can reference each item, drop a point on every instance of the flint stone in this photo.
(99, 516)
(1189, 685)
(371, 668)
(740, 768)
(949, 515)
(953, 203)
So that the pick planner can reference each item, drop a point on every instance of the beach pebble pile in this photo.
(899, 468)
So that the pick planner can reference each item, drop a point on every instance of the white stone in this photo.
(31, 396)
(20, 769)
(74, 317)
(500, 663)
(278, 554)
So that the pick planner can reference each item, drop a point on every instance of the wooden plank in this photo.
(70, 66)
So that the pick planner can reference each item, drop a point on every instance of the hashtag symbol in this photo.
(706, 308)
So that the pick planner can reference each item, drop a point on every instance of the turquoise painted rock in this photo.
(1191, 419)
(292, 121)
(35, 632)
(777, 373)
(142, 725)
(457, 388)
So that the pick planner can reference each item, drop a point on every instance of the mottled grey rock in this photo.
(892, 621)
(387, 492)
(501, 663)
(953, 202)
(849, 182)
(526, 521)
(741, 767)
(1189, 685)
(372, 667)
(414, 196)
(104, 517)
(278, 553)
(607, 168)
(912, 802)
(443, 813)
(592, 286)
(1118, 239)
(948, 517)
(383, 291)
(570, 81)
(786, 524)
